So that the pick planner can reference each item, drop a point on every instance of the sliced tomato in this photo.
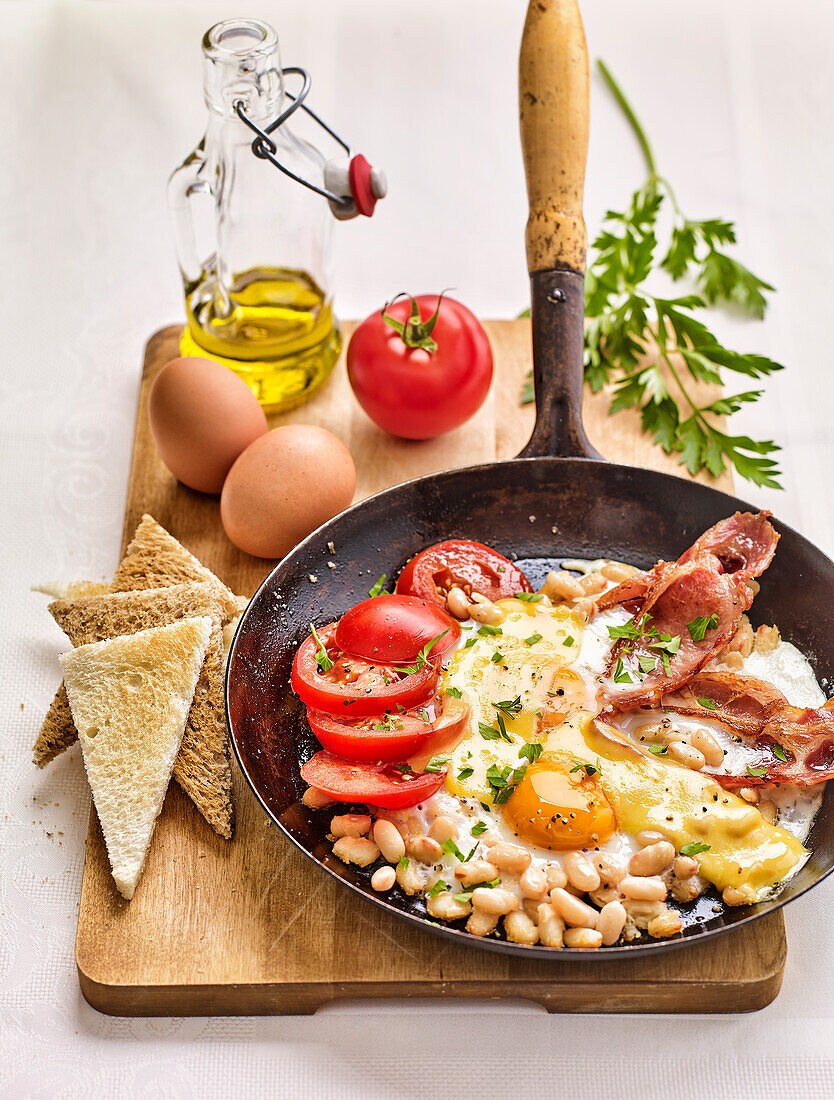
(393, 629)
(383, 785)
(381, 737)
(354, 686)
(462, 564)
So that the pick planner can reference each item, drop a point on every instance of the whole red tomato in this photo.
(421, 366)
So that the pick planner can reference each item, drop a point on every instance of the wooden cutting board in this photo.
(251, 926)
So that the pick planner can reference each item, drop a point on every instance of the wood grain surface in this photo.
(251, 926)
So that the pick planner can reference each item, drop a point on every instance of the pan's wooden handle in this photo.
(553, 105)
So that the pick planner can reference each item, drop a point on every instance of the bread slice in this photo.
(202, 768)
(71, 590)
(130, 698)
(155, 559)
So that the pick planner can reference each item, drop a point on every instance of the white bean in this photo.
(315, 799)
(648, 836)
(410, 878)
(484, 610)
(555, 875)
(685, 867)
(617, 571)
(445, 906)
(478, 870)
(443, 829)
(356, 849)
(510, 858)
(643, 889)
(667, 923)
(383, 879)
(580, 871)
(586, 938)
(611, 868)
(611, 921)
(457, 603)
(685, 754)
(738, 895)
(481, 923)
(533, 883)
(389, 840)
(705, 743)
(572, 910)
(520, 929)
(494, 900)
(652, 859)
(350, 825)
(551, 926)
(423, 849)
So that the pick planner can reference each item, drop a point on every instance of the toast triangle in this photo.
(130, 697)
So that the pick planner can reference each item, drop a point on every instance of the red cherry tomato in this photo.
(354, 686)
(393, 629)
(411, 391)
(462, 564)
(381, 785)
(377, 738)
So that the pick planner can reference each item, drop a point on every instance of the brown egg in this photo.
(202, 416)
(283, 486)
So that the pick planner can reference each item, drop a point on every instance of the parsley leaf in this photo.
(694, 848)
(322, 657)
(699, 626)
(757, 773)
(568, 640)
(451, 849)
(509, 707)
(490, 733)
(479, 829)
(658, 750)
(440, 887)
(436, 764)
(620, 676)
(455, 693)
(378, 587)
(652, 348)
(707, 704)
(589, 769)
(779, 753)
(533, 639)
(497, 658)
(423, 655)
(486, 630)
(531, 751)
(466, 771)
(529, 597)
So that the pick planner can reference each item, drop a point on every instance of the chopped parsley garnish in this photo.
(440, 887)
(779, 753)
(380, 584)
(531, 751)
(465, 772)
(387, 724)
(757, 773)
(403, 861)
(589, 769)
(694, 848)
(466, 896)
(436, 764)
(568, 640)
(497, 658)
(403, 768)
(509, 707)
(529, 597)
(489, 631)
(479, 829)
(423, 655)
(469, 643)
(707, 704)
(658, 750)
(451, 849)
(490, 733)
(620, 675)
(485, 808)
(533, 639)
(503, 781)
(455, 693)
(700, 625)
(424, 714)
(322, 657)
(646, 663)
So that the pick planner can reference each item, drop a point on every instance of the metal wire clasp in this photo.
(362, 184)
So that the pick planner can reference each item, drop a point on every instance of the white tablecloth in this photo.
(100, 101)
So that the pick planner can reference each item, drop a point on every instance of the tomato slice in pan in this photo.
(393, 629)
(377, 738)
(354, 686)
(383, 785)
(463, 564)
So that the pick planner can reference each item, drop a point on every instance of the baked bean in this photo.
(562, 586)
(617, 571)
(445, 906)
(705, 743)
(592, 584)
(410, 878)
(555, 875)
(551, 926)
(572, 910)
(383, 878)
(356, 849)
(496, 901)
(611, 921)
(510, 858)
(580, 871)
(533, 883)
(648, 836)
(685, 754)
(738, 895)
(586, 938)
(685, 867)
(687, 889)
(481, 923)
(478, 870)
(389, 840)
(652, 859)
(643, 889)
(667, 923)
(611, 868)
(484, 610)
(520, 929)
(315, 799)
(423, 849)
(749, 794)
(350, 825)
(457, 604)
(443, 829)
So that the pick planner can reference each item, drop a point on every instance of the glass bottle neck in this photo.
(242, 64)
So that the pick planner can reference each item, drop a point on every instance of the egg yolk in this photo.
(554, 807)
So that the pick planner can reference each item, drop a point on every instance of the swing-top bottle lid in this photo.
(242, 64)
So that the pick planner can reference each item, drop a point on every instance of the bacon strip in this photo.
(760, 714)
(742, 545)
(678, 594)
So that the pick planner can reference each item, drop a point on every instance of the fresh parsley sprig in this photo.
(652, 348)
